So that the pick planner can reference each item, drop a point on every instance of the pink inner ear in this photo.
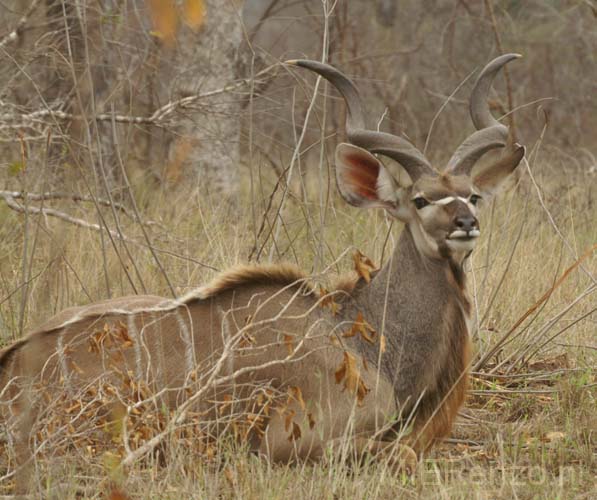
(361, 174)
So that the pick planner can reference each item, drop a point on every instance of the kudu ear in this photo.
(489, 180)
(363, 181)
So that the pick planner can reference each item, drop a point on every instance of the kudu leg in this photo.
(22, 439)
(284, 443)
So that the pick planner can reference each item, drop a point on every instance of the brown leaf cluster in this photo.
(291, 426)
(362, 328)
(117, 494)
(167, 16)
(327, 300)
(289, 342)
(247, 420)
(363, 265)
(247, 340)
(294, 396)
(348, 373)
(112, 336)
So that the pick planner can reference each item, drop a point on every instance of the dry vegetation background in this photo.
(131, 208)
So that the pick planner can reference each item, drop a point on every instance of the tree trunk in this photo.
(91, 57)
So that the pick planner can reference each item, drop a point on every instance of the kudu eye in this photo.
(474, 199)
(420, 202)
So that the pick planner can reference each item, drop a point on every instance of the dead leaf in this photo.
(350, 374)
(296, 432)
(382, 344)
(341, 371)
(363, 266)
(165, 20)
(311, 420)
(93, 346)
(229, 475)
(289, 341)
(117, 494)
(362, 327)
(290, 414)
(295, 393)
(246, 340)
(227, 401)
(194, 13)
(327, 300)
(123, 333)
(264, 401)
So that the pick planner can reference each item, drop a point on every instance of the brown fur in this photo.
(434, 188)
(436, 423)
(345, 283)
(7, 353)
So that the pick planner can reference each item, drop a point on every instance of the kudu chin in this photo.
(377, 364)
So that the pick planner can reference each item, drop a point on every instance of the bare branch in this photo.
(62, 195)
(15, 33)
(158, 117)
(88, 225)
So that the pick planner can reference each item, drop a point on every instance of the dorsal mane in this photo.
(244, 275)
(256, 274)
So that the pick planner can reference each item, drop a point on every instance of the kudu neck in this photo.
(410, 268)
(419, 304)
(410, 290)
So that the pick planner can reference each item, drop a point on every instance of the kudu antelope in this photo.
(258, 326)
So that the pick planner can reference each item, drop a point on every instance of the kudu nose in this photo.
(466, 222)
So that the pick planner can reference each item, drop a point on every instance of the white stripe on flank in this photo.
(164, 307)
(134, 333)
(62, 356)
(226, 337)
(188, 340)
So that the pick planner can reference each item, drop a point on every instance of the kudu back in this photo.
(366, 360)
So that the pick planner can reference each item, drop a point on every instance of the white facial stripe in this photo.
(447, 200)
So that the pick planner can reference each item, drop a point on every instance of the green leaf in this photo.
(15, 168)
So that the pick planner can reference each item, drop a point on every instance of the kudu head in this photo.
(440, 207)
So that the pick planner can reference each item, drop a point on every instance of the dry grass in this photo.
(529, 429)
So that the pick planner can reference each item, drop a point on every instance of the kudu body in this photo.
(264, 326)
